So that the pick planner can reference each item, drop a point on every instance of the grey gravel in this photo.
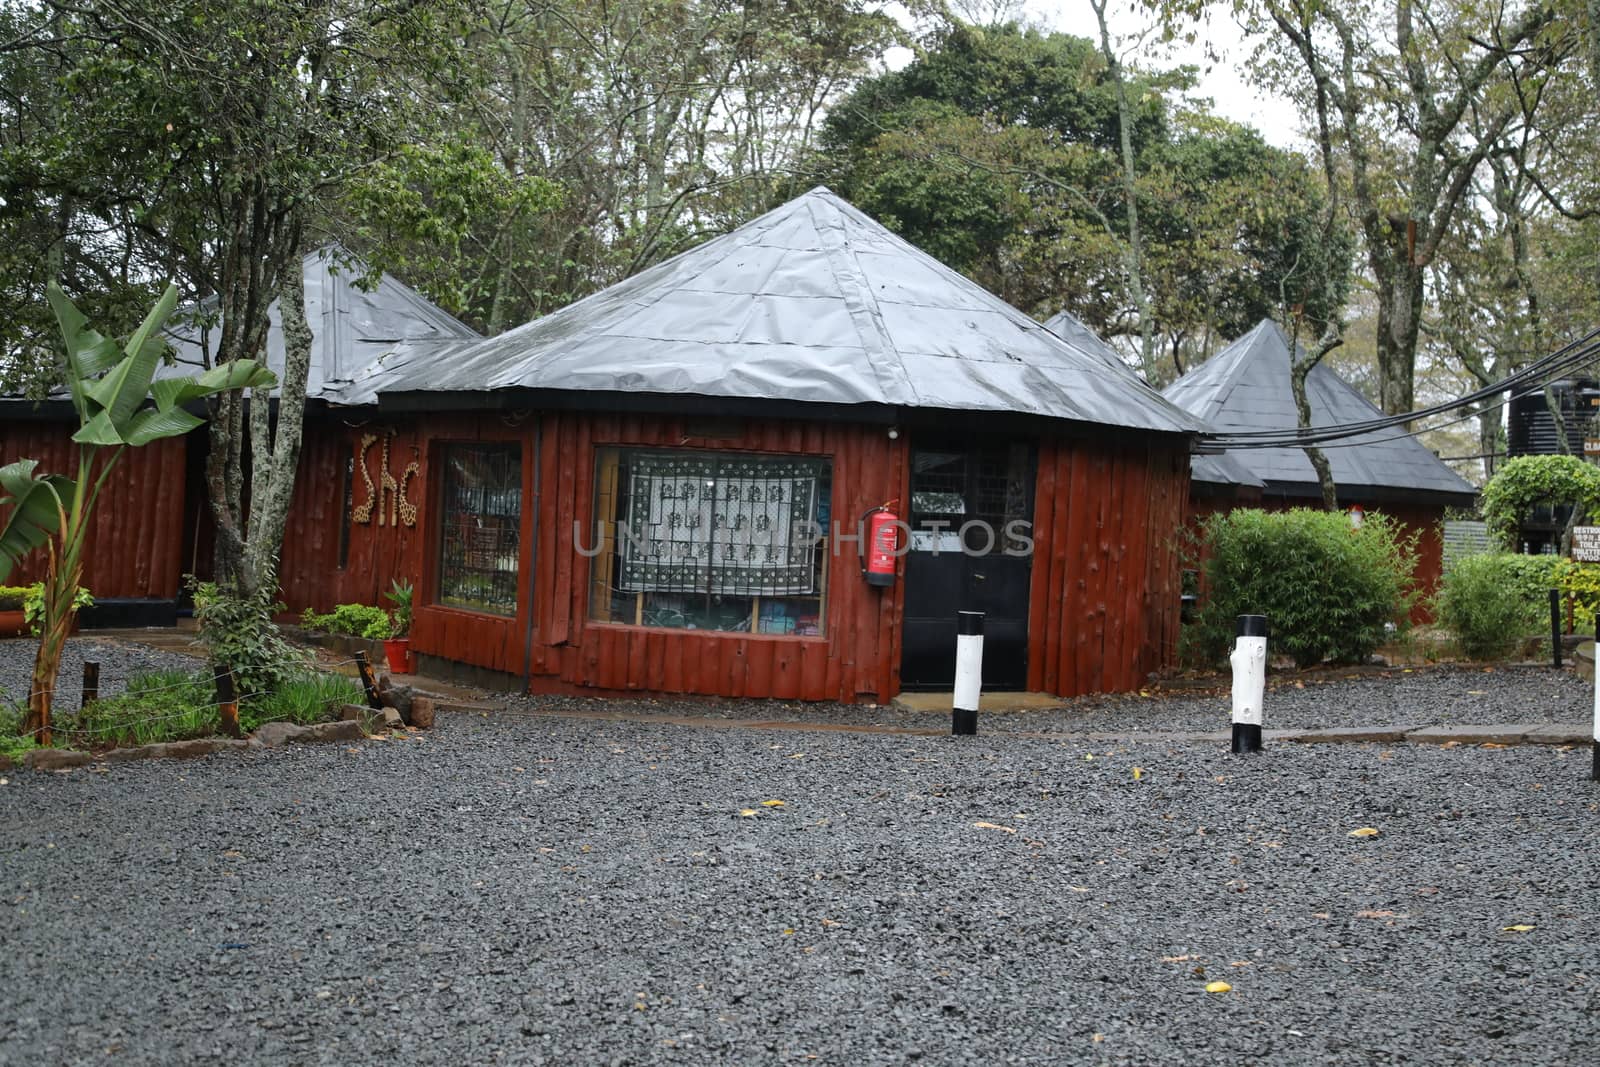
(1425, 696)
(118, 660)
(529, 889)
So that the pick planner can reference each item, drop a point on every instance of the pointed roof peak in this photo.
(1246, 387)
(813, 301)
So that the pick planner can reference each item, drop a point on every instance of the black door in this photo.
(971, 518)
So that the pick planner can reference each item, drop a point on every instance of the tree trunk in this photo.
(1399, 318)
(1133, 250)
(276, 456)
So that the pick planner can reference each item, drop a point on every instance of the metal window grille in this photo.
(481, 505)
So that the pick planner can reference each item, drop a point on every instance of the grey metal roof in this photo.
(811, 302)
(1067, 326)
(1246, 387)
(350, 328)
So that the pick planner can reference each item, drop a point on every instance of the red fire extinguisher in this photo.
(883, 543)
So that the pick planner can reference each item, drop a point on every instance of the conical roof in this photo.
(1071, 329)
(1246, 387)
(350, 326)
(812, 302)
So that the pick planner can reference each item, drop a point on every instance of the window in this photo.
(481, 521)
(724, 541)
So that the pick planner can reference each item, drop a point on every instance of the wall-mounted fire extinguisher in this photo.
(882, 545)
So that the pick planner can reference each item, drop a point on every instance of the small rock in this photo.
(422, 711)
(354, 713)
(6, 762)
(392, 719)
(277, 734)
(332, 731)
(399, 697)
(191, 749)
(54, 759)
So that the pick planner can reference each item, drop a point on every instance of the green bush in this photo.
(12, 741)
(33, 605)
(1329, 592)
(1525, 481)
(238, 632)
(1527, 580)
(353, 620)
(1491, 602)
(12, 597)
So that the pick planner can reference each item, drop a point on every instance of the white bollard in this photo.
(969, 672)
(1249, 662)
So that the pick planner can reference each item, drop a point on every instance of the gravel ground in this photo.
(527, 889)
(117, 661)
(1470, 696)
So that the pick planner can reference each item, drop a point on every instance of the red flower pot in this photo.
(397, 650)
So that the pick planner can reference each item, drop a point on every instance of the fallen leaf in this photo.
(233, 854)
(1491, 744)
(1138, 773)
(748, 813)
(772, 803)
(994, 826)
(1097, 1038)
(788, 931)
(1218, 987)
(1176, 959)
(1365, 831)
(1520, 928)
(1078, 888)
(831, 922)
(1381, 913)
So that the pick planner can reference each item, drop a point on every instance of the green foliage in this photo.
(400, 595)
(33, 605)
(1523, 482)
(1329, 592)
(238, 633)
(11, 597)
(160, 705)
(1483, 601)
(14, 741)
(997, 152)
(304, 697)
(352, 620)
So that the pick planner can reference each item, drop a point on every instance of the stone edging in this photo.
(270, 735)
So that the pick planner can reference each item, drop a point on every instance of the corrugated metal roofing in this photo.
(811, 302)
(1246, 387)
(350, 328)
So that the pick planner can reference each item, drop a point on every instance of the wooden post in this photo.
(227, 702)
(1555, 628)
(366, 680)
(91, 683)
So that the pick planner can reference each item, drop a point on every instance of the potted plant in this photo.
(33, 607)
(397, 646)
(13, 623)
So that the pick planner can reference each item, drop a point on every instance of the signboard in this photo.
(1591, 446)
(1586, 544)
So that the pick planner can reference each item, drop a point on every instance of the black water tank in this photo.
(1530, 429)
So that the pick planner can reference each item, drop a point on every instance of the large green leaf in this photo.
(237, 374)
(152, 424)
(127, 385)
(37, 504)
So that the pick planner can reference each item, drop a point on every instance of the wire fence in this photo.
(81, 724)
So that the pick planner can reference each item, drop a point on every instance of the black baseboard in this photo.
(113, 613)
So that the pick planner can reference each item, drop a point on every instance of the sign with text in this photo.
(1586, 544)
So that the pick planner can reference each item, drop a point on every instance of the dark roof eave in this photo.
(1373, 494)
(426, 401)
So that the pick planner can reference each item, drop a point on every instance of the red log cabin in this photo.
(666, 486)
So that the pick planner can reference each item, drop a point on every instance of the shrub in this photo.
(1530, 579)
(33, 605)
(399, 595)
(1489, 602)
(1329, 592)
(12, 597)
(1525, 481)
(353, 620)
(13, 742)
(238, 632)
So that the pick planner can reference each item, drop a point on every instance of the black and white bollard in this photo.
(969, 672)
(1249, 662)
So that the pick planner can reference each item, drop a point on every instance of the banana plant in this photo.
(120, 404)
